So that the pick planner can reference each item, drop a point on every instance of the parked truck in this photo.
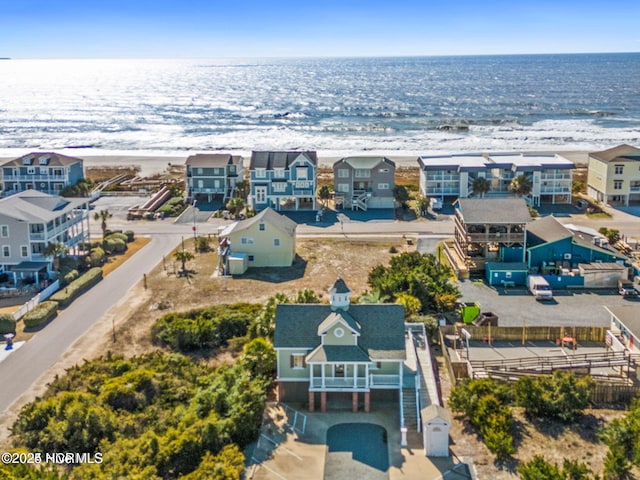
(539, 287)
(626, 288)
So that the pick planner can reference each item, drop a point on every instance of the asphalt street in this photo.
(24, 366)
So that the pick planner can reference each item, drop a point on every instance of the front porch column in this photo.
(312, 401)
(323, 402)
(366, 376)
(322, 368)
(354, 402)
(367, 402)
(355, 375)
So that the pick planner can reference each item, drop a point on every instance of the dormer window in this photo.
(44, 160)
(27, 161)
(261, 173)
(279, 172)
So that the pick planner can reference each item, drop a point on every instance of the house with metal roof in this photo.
(364, 182)
(337, 350)
(47, 172)
(552, 247)
(490, 230)
(454, 175)
(210, 176)
(614, 175)
(265, 240)
(283, 180)
(29, 222)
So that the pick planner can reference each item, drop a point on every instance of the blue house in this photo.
(283, 180)
(46, 172)
(551, 248)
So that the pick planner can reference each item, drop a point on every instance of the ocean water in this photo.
(416, 105)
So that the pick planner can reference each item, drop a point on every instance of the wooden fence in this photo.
(534, 334)
(605, 393)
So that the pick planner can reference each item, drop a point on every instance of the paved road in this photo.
(24, 366)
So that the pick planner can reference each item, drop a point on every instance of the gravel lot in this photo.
(516, 305)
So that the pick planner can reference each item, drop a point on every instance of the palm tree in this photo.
(235, 205)
(373, 297)
(55, 250)
(521, 186)
(324, 194)
(481, 186)
(102, 216)
(183, 256)
(242, 189)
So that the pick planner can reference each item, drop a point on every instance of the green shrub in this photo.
(130, 235)
(118, 236)
(96, 257)
(210, 327)
(66, 295)
(114, 245)
(40, 315)
(70, 277)
(7, 323)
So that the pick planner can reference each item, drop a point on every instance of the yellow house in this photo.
(614, 175)
(267, 240)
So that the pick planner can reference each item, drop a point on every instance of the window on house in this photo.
(4, 230)
(619, 169)
(261, 173)
(279, 187)
(343, 173)
(617, 184)
(343, 187)
(302, 173)
(31, 170)
(363, 173)
(246, 241)
(279, 172)
(276, 242)
(24, 250)
(6, 251)
(261, 226)
(199, 170)
(375, 365)
(251, 257)
(297, 361)
(383, 186)
(261, 194)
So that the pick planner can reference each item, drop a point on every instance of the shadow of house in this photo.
(279, 274)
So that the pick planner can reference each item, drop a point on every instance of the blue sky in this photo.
(236, 28)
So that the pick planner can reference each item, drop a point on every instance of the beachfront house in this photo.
(614, 175)
(361, 183)
(46, 172)
(265, 240)
(490, 230)
(283, 180)
(455, 176)
(210, 177)
(29, 222)
(340, 351)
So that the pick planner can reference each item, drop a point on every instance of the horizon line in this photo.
(301, 57)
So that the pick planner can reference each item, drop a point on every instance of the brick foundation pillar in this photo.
(323, 402)
(312, 401)
(354, 402)
(367, 402)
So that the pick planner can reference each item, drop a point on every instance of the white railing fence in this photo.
(40, 297)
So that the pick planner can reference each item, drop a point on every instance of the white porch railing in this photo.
(375, 381)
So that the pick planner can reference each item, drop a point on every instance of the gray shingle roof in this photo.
(270, 216)
(213, 160)
(54, 160)
(337, 353)
(548, 229)
(339, 286)
(271, 160)
(365, 162)
(34, 206)
(382, 327)
(621, 152)
(494, 210)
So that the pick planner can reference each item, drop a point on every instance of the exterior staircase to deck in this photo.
(359, 200)
(409, 407)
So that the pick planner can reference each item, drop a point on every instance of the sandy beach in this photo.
(152, 164)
